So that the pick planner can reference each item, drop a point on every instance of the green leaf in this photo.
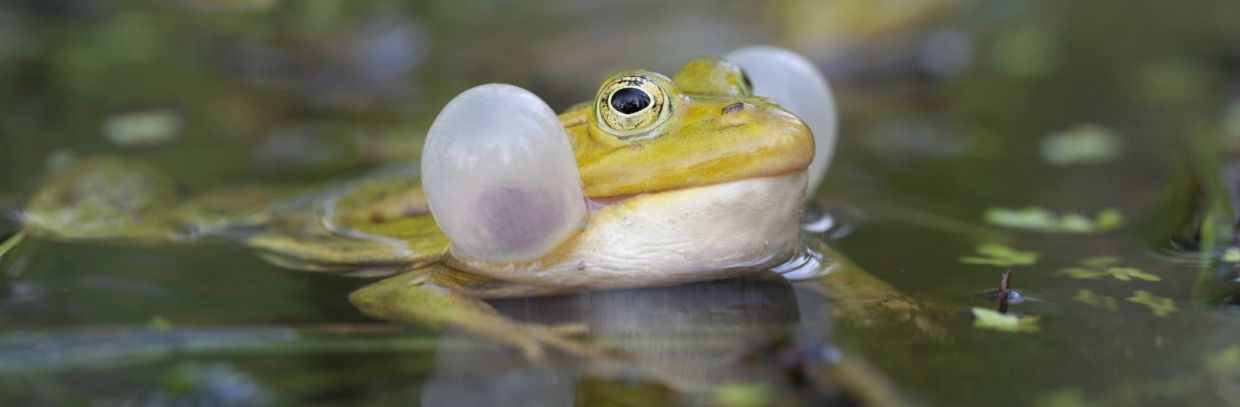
(1025, 218)
(1107, 219)
(1084, 273)
(1094, 268)
(1000, 255)
(1232, 255)
(1160, 306)
(158, 323)
(741, 395)
(1084, 144)
(1128, 273)
(989, 319)
(1043, 220)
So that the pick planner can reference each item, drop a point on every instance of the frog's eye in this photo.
(631, 105)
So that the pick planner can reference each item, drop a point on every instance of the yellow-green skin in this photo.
(701, 144)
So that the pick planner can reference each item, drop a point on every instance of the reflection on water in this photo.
(689, 338)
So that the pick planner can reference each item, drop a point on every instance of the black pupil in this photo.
(745, 78)
(630, 100)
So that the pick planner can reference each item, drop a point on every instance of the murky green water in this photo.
(950, 111)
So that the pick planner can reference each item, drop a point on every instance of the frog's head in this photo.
(646, 133)
(506, 179)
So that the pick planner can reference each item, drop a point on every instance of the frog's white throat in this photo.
(671, 237)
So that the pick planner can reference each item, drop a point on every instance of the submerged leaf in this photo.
(989, 319)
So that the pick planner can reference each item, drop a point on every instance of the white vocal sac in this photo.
(500, 175)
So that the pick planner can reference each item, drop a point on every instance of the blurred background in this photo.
(952, 112)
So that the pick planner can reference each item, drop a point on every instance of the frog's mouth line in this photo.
(595, 204)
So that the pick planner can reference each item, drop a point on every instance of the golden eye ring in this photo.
(629, 106)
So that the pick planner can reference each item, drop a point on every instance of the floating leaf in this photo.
(1128, 273)
(1025, 218)
(989, 319)
(1232, 255)
(1160, 306)
(1108, 218)
(741, 395)
(1044, 220)
(1095, 268)
(1084, 273)
(142, 128)
(158, 323)
(1089, 297)
(1083, 144)
(1000, 255)
(1075, 223)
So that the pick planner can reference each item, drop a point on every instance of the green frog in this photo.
(655, 181)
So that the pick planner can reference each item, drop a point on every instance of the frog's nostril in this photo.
(732, 108)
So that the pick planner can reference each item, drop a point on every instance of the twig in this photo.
(1004, 291)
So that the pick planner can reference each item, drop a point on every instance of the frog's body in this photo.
(707, 181)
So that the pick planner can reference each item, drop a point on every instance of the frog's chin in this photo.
(672, 237)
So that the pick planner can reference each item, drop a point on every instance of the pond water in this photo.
(1089, 149)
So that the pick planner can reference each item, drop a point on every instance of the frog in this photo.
(655, 181)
